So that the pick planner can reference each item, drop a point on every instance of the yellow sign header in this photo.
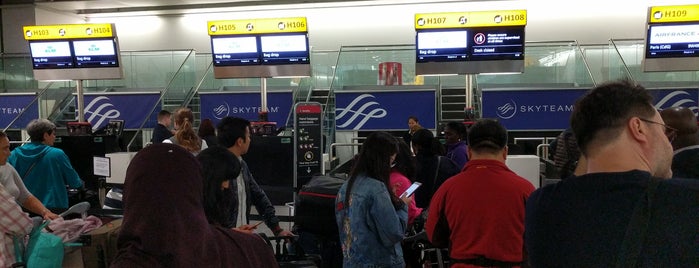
(673, 14)
(257, 26)
(68, 31)
(471, 19)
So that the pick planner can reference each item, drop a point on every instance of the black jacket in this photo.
(254, 196)
(431, 176)
(160, 133)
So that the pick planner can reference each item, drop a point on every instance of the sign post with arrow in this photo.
(308, 142)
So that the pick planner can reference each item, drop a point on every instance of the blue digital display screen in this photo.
(91, 53)
(51, 54)
(288, 48)
(470, 44)
(672, 40)
(441, 46)
(235, 50)
(75, 53)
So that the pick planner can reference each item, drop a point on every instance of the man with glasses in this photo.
(685, 141)
(624, 211)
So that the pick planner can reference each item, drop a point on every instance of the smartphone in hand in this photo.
(408, 192)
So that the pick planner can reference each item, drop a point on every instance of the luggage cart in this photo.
(39, 225)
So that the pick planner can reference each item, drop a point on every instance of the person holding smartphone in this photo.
(371, 219)
(234, 134)
(402, 175)
(403, 172)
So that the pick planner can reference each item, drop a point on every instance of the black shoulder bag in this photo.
(636, 232)
(33, 164)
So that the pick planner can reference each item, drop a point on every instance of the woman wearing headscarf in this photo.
(371, 219)
(164, 221)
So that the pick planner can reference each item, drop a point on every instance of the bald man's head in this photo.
(680, 118)
(685, 122)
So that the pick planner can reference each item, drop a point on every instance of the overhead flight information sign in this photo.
(68, 31)
(260, 47)
(471, 19)
(672, 38)
(257, 26)
(674, 14)
(482, 39)
(673, 31)
(74, 51)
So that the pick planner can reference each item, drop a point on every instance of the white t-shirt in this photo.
(242, 199)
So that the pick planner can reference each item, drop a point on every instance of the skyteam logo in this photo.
(216, 106)
(678, 98)
(507, 110)
(12, 105)
(221, 111)
(99, 111)
(359, 111)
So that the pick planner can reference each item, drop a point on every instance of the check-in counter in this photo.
(81, 150)
(526, 166)
(118, 162)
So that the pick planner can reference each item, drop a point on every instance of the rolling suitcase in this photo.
(289, 254)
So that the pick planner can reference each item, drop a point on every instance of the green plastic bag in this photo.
(44, 250)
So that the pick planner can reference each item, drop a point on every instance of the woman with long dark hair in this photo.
(207, 132)
(218, 167)
(371, 219)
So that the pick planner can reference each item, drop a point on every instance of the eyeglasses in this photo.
(670, 132)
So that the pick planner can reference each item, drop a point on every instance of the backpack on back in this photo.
(567, 154)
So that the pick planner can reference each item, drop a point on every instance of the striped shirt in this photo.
(12, 222)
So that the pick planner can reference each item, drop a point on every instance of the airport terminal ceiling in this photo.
(87, 7)
(334, 24)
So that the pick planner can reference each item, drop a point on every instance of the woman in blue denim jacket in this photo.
(371, 219)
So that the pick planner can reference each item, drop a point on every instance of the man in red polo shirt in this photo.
(479, 213)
